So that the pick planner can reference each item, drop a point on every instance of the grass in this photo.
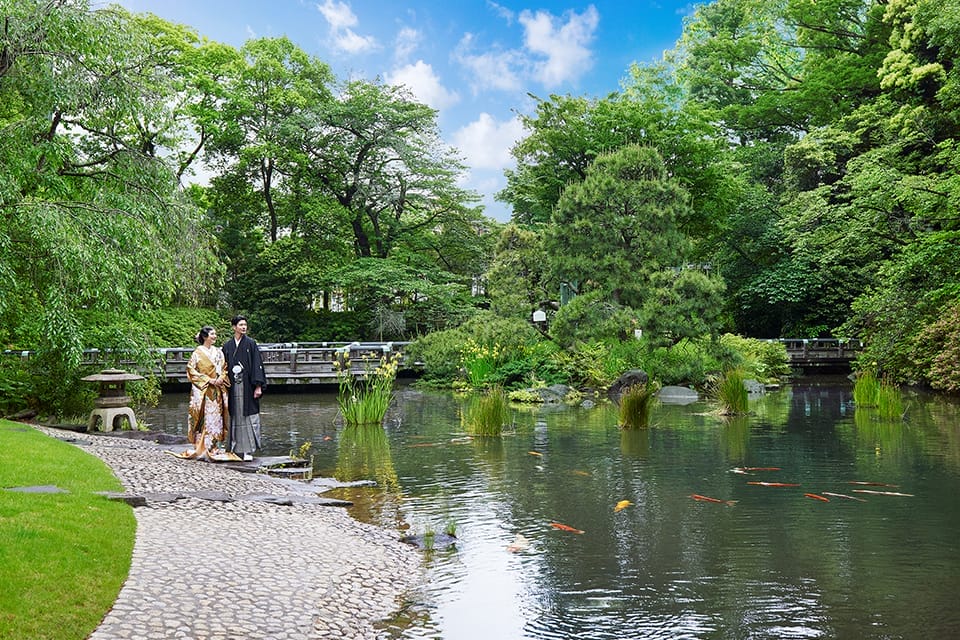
(63, 556)
(731, 393)
(485, 415)
(889, 400)
(636, 402)
(366, 400)
(866, 390)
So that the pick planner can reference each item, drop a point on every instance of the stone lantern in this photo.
(113, 400)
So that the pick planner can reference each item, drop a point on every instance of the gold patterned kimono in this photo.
(209, 414)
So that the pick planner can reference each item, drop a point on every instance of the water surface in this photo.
(774, 564)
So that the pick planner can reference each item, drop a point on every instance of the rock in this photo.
(672, 394)
(627, 379)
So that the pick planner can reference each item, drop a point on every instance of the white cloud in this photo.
(421, 80)
(341, 19)
(338, 15)
(565, 45)
(486, 143)
(492, 70)
(406, 43)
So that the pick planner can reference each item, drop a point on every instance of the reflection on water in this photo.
(776, 564)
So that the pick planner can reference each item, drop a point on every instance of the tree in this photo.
(91, 217)
(618, 227)
(378, 155)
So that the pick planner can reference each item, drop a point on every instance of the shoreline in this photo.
(213, 559)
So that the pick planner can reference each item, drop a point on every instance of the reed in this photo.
(366, 400)
(485, 415)
(866, 390)
(731, 393)
(889, 400)
(636, 404)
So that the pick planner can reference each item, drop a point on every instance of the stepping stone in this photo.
(43, 488)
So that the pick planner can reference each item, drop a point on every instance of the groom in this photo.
(247, 380)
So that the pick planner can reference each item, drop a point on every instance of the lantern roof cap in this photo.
(112, 375)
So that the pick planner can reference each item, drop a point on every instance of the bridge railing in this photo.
(284, 363)
(813, 351)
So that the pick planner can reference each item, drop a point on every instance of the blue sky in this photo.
(474, 61)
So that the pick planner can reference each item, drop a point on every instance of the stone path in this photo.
(222, 570)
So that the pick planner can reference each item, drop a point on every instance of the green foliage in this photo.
(937, 350)
(618, 227)
(440, 354)
(730, 392)
(764, 360)
(592, 317)
(889, 400)
(636, 403)
(365, 400)
(866, 389)
(485, 414)
(686, 363)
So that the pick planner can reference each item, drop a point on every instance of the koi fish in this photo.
(564, 527)
(817, 497)
(843, 495)
(872, 484)
(623, 504)
(520, 543)
(760, 468)
(700, 498)
(883, 493)
(535, 453)
(775, 484)
(325, 438)
(424, 444)
(578, 472)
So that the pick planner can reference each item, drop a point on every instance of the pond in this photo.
(771, 563)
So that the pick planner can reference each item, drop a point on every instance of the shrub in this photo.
(764, 360)
(591, 318)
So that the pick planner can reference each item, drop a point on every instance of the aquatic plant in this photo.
(636, 403)
(365, 399)
(731, 393)
(889, 400)
(485, 415)
(866, 389)
(479, 361)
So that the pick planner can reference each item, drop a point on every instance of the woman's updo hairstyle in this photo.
(204, 333)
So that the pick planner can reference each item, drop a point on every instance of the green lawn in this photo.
(64, 556)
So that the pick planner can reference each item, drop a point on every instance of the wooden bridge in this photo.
(298, 363)
(821, 353)
(285, 363)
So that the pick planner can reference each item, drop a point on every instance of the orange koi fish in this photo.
(535, 453)
(843, 495)
(565, 527)
(883, 493)
(578, 472)
(817, 497)
(872, 484)
(620, 506)
(775, 484)
(700, 498)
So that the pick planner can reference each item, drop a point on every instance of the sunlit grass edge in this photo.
(64, 556)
